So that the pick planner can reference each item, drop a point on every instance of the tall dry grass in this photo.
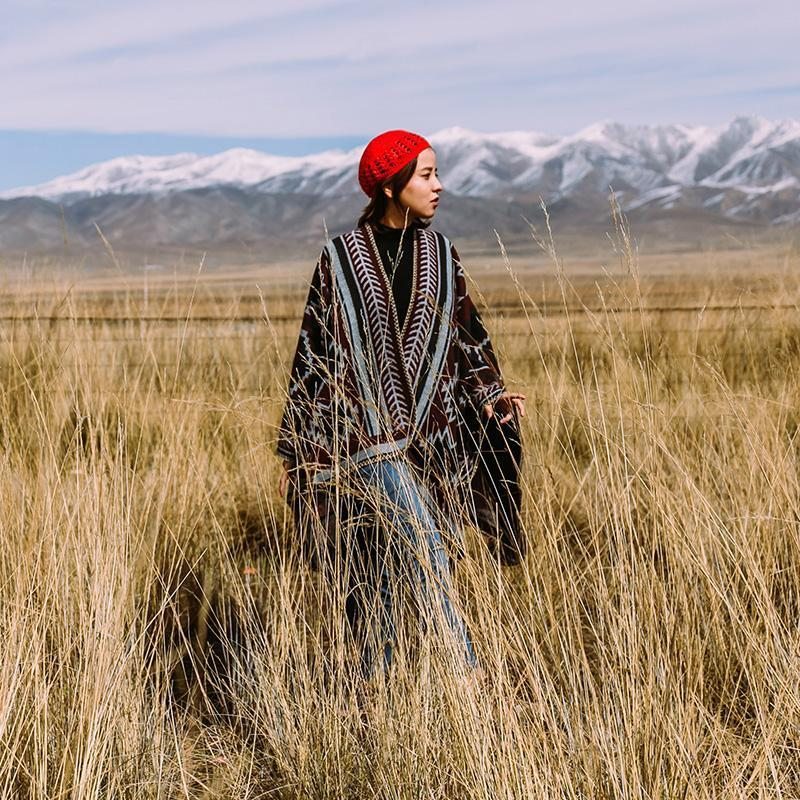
(161, 637)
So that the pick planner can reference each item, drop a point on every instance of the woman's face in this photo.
(421, 194)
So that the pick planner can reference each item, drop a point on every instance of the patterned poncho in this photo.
(363, 387)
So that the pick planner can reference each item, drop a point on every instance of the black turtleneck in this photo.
(398, 260)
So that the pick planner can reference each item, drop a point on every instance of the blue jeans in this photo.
(395, 542)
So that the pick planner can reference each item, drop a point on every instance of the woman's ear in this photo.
(387, 190)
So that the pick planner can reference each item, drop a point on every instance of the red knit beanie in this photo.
(387, 154)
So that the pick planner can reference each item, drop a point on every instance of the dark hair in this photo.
(379, 202)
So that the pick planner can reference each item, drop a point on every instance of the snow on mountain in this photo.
(238, 167)
(749, 154)
(658, 166)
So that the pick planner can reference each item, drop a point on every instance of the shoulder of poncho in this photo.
(446, 244)
(441, 236)
(342, 237)
(360, 233)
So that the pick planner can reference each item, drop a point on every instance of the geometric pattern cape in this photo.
(362, 387)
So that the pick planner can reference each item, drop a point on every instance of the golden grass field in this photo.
(162, 639)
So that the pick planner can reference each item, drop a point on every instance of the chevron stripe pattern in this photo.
(361, 388)
(379, 319)
(422, 310)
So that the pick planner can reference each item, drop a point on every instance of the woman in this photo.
(397, 428)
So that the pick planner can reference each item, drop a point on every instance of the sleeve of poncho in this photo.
(481, 373)
(308, 369)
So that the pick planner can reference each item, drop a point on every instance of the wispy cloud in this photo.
(335, 66)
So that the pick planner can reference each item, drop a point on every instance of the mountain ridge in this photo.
(746, 172)
(740, 155)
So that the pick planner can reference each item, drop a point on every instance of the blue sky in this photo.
(84, 80)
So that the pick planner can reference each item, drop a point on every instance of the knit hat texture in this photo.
(387, 154)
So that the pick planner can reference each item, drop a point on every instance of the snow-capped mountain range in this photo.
(744, 173)
(745, 161)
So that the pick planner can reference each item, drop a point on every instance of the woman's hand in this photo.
(505, 405)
